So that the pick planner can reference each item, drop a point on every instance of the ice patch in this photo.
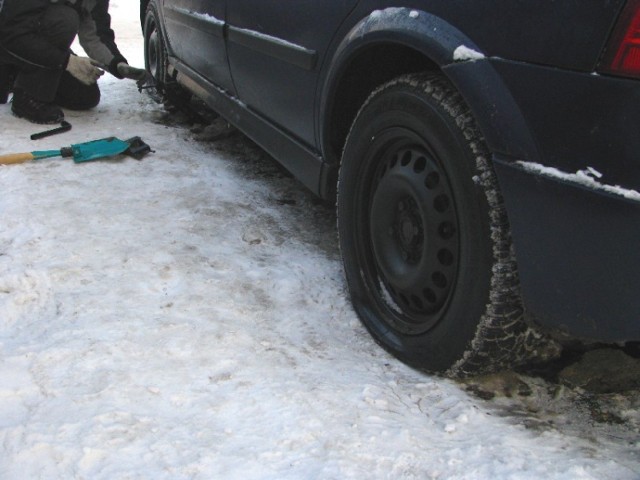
(589, 177)
(271, 39)
(22, 295)
(17, 390)
(202, 16)
(388, 298)
(393, 12)
(208, 18)
(593, 172)
(463, 53)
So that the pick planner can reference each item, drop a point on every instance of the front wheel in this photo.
(156, 60)
(424, 234)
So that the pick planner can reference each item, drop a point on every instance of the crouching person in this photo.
(36, 62)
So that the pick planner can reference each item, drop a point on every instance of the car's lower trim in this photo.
(302, 162)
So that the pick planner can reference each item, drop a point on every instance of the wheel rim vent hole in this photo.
(445, 257)
(446, 230)
(441, 203)
(432, 180)
(419, 165)
(429, 295)
(404, 299)
(417, 301)
(439, 279)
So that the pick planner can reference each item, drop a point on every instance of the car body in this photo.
(553, 89)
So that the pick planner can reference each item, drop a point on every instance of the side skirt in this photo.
(304, 163)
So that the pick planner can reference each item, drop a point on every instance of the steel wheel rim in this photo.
(153, 50)
(413, 227)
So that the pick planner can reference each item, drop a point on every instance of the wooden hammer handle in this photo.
(15, 158)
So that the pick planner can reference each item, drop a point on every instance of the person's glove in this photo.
(127, 71)
(143, 79)
(84, 69)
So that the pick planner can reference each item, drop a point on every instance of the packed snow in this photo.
(588, 177)
(462, 53)
(202, 16)
(185, 316)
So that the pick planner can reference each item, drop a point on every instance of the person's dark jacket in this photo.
(19, 34)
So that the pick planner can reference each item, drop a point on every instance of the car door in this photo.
(195, 30)
(275, 50)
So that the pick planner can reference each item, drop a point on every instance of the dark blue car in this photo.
(485, 155)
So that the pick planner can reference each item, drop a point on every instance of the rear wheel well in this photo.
(424, 234)
(371, 68)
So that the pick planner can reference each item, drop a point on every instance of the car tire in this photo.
(156, 60)
(424, 234)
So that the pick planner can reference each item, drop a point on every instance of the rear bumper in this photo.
(577, 245)
(577, 120)
(578, 255)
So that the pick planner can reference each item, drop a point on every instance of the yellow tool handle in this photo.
(16, 158)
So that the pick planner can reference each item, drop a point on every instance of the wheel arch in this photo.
(396, 41)
(143, 11)
(144, 5)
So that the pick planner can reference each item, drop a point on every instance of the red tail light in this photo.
(622, 56)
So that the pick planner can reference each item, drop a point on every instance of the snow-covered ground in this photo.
(185, 317)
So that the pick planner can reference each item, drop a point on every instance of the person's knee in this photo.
(60, 25)
(92, 99)
(75, 95)
(85, 100)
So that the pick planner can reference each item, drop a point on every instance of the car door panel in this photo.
(274, 58)
(196, 35)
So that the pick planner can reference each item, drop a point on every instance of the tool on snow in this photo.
(64, 127)
(85, 152)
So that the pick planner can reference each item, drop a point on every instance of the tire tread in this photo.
(502, 338)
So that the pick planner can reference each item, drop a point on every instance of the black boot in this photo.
(29, 108)
(6, 82)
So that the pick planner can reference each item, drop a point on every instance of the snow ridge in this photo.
(588, 177)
